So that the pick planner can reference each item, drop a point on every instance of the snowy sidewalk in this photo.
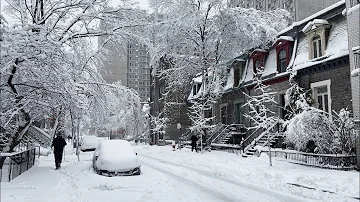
(322, 184)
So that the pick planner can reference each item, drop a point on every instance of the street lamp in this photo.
(179, 127)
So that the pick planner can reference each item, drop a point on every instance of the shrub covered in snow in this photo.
(313, 126)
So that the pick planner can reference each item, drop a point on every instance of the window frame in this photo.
(281, 60)
(317, 85)
(316, 44)
(223, 115)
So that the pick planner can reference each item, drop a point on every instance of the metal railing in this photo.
(330, 161)
(255, 137)
(15, 163)
(223, 131)
(214, 133)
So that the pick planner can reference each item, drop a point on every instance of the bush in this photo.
(313, 131)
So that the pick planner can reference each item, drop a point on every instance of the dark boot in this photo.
(57, 166)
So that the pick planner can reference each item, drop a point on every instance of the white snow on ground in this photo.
(256, 172)
(180, 176)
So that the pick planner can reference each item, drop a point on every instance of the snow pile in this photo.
(116, 156)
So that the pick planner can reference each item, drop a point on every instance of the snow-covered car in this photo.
(89, 143)
(116, 157)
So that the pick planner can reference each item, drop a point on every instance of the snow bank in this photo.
(116, 156)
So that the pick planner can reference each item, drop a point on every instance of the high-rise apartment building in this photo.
(138, 71)
(130, 65)
(299, 9)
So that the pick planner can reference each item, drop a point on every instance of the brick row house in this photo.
(315, 49)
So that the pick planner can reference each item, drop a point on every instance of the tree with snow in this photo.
(259, 112)
(47, 63)
(297, 99)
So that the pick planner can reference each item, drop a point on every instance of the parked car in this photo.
(89, 143)
(114, 158)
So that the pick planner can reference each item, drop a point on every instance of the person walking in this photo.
(58, 143)
(193, 143)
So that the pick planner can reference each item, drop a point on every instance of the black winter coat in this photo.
(193, 140)
(58, 144)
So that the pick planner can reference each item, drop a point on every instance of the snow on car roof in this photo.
(112, 146)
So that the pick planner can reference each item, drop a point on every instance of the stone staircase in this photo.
(264, 140)
(229, 134)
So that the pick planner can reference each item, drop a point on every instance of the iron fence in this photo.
(16, 163)
(331, 161)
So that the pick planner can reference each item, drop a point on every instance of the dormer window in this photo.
(316, 43)
(284, 47)
(317, 33)
(196, 88)
(258, 64)
(282, 61)
(258, 56)
(236, 76)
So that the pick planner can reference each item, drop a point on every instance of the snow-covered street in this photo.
(180, 176)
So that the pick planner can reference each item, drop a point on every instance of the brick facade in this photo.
(340, 88)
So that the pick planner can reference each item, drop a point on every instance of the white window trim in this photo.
(323, 83)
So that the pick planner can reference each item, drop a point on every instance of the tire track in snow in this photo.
(197, 185)
(221, 180)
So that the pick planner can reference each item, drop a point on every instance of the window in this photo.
(282, 61)
(321, 95)
(236, 76)
(258, 63)
(316, 43)
(223, 114)
(239, 113)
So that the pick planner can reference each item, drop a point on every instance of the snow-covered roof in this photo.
(258, 50)
(286, 38)
(353, 9)
(356, 50)
(249, 71)
(270, 63)
(337, 47)
(355, 72)
(314, 24)
(197, 79)
(315, 15)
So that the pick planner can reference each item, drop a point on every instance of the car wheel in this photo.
(138, 172)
